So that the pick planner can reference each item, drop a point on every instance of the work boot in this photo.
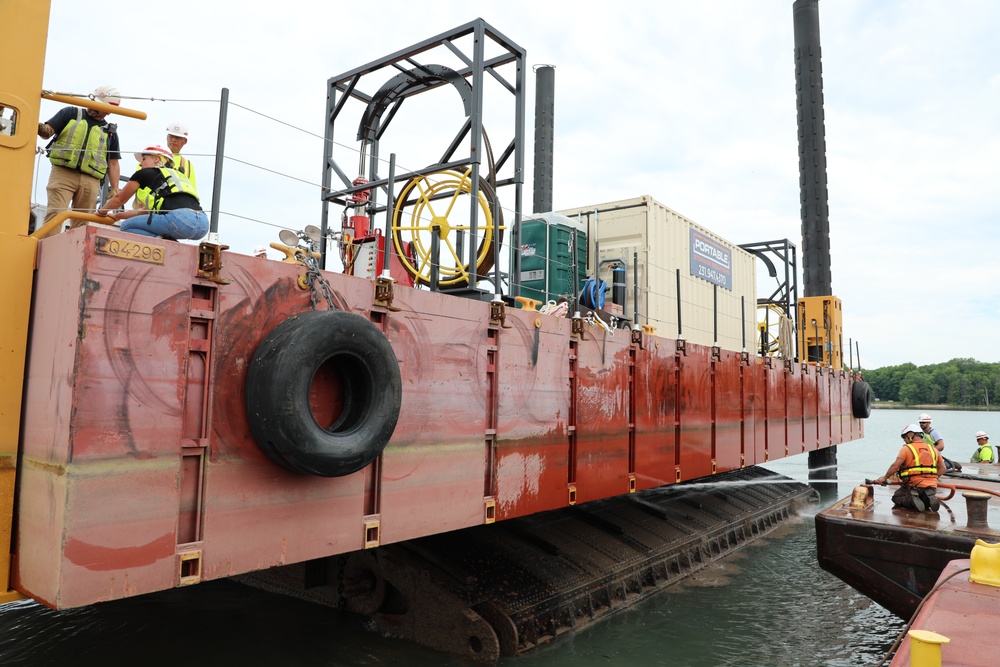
(918, 502)
(932, 502)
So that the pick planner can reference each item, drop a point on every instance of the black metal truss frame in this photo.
(399, 76)
(786, 294)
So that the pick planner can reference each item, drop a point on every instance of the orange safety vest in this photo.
(921, 468)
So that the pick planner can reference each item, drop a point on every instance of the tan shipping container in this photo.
(718, 280)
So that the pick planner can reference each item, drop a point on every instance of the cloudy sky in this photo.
(692, 103)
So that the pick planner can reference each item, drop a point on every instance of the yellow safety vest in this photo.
(175, 183)
(980, 458)
(81, 146)
(181, 164)
(919, 468)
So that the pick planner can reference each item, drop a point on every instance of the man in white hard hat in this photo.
(260, 251)
(933, 437)
(177, 138)
(984, 451)
(84, 151)
(918, 465)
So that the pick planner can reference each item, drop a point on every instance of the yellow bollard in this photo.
(984, 563)
(925, 648)
(527, 303)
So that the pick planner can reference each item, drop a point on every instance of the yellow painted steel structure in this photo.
(821, 330)
(23, 34)
(22, 40)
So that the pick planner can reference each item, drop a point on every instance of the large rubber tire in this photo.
(861, 399)
(357, 358)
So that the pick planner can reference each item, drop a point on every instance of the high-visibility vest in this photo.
(919, 467)
(984, 454)
(81, 146)
(181, 164)
(175, 183)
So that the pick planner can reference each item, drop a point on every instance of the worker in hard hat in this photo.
(85, 150)
(177, 136)
(933, 437)
(260, 251)
(984, 451)
(174, 211)
(918, 465)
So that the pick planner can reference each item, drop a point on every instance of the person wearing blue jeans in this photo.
(169, 203)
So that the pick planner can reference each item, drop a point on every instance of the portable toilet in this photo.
(553, 256)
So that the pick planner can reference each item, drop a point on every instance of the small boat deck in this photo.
(894, 555)
(963, 611)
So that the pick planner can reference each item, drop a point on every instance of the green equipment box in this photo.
(553, 257)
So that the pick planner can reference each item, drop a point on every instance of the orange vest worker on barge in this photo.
(918, 465)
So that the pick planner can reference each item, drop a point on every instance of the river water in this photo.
(769, 604)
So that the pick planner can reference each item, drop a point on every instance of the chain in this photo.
(318, 285)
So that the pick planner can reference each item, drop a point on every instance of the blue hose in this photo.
(593, 294)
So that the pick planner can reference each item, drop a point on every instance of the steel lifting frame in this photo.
(786, 294)
(384, 84)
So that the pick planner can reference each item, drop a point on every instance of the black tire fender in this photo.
(357, 358)
(861, 399)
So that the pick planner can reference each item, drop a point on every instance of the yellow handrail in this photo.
(45, 229)
(93, 104)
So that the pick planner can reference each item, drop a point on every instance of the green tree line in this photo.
(955, 382)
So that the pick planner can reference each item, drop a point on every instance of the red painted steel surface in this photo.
(139, 471)
(966, 612)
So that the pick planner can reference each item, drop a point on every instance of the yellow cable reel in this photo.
(428, 203)
(774, 332)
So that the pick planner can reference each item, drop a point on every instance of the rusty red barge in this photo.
(190, 414)
(139, 472)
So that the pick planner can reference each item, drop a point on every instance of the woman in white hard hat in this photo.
(172, 210)
(176, 139)
(984, 451)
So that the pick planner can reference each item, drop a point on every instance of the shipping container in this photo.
(665, 254)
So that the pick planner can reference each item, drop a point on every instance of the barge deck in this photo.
(894, 556)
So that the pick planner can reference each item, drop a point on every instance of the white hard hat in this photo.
(981, 434)
(107, 94)
(925, 417)
(260, 250)
(910, 428)
(156, 150)
(177, 130)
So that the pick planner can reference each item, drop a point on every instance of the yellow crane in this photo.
(23, 32)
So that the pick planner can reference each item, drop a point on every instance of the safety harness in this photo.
(918, 468)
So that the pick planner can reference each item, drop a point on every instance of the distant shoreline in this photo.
(966, 408)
